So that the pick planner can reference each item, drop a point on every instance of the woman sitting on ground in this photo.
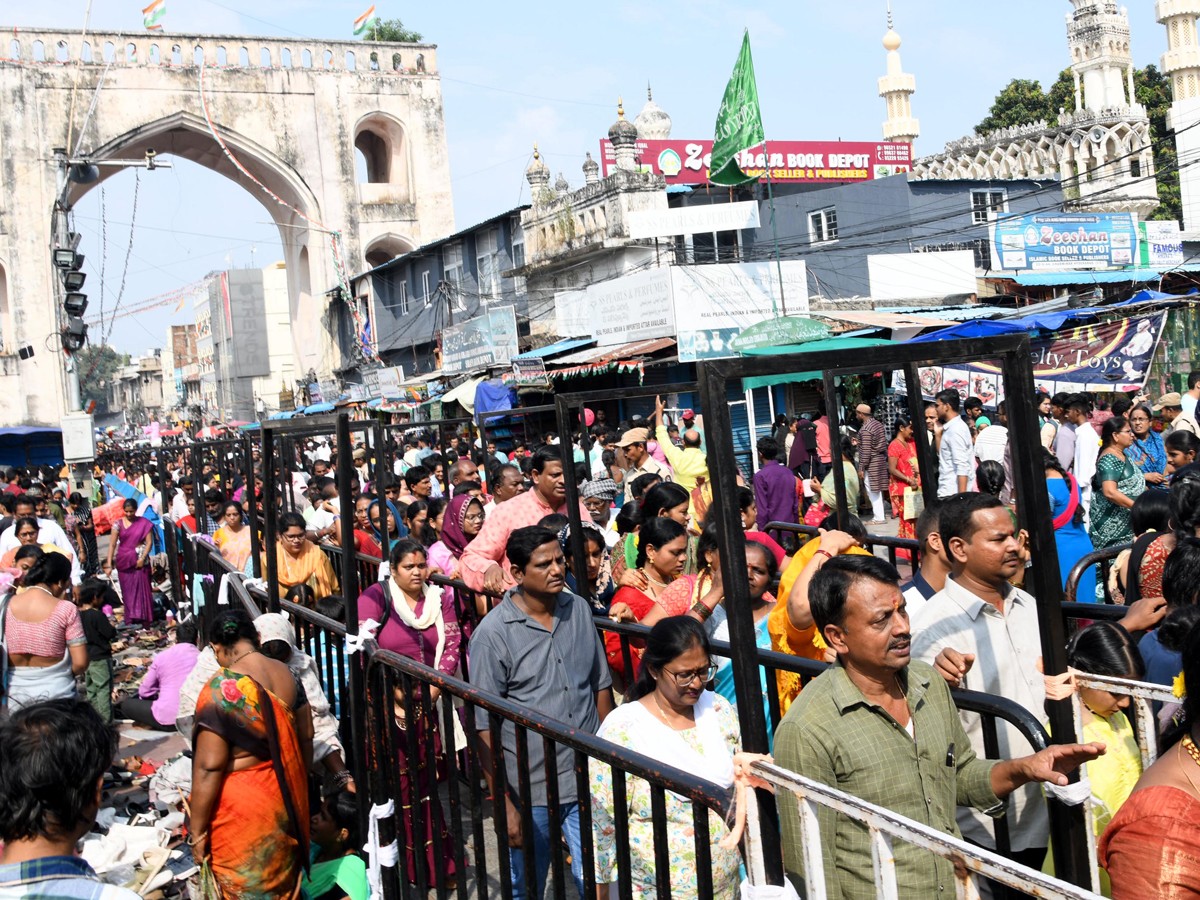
(338, 872)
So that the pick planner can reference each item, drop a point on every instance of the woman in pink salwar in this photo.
(131, 540)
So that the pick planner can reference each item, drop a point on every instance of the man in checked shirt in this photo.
(884, 728)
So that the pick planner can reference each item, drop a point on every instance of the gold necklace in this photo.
(234, 662)
(663, 714)
(653, 580)
(1188, 745)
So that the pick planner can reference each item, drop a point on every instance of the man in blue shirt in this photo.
(53, 757)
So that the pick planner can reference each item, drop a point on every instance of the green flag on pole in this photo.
(739, 122)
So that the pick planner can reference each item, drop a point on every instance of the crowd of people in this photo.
(271, 791)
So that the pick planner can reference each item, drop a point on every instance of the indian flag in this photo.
(362, 23)
(153, 14)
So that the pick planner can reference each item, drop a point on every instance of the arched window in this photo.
(382, 153)
(244, 58)
(61, 52)
(198, 56)
(131, 52)
(7, 338)
(306, 58)
(285, 57)
(155, 55)
(222, 57)
(110, 52)
(351, 62)
(397, 65)
(39, 51)
(386, 248)
(264, 58)
(177, 55)
(328, 59)
(14, 49)
(85, 52)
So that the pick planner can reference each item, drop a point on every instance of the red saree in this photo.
(258, 836)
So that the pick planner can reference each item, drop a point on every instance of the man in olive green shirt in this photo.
(884, 729)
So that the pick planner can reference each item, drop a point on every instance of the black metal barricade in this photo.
(488, 427)
(873, 542)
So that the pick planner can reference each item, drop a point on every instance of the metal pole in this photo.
(833, 409)
(384, 510)
(255, 543)
(726, 514)
(774, 234)
(345, 468)
(1068, 828)
(270, 512)
(198, 489)
(574, 517)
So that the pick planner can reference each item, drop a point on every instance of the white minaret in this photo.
(896, 88)
(1098, 37)
(1181, 64)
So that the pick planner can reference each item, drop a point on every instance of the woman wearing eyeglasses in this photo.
(299, 561)
(670, 715)
(1148, 452)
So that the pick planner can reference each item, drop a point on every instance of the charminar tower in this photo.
(897, 88)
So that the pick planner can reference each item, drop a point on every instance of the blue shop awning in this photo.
(319, 408)
(563, 346)
(1052, 279)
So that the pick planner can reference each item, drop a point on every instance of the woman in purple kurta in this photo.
(131, 539)
(418, 620)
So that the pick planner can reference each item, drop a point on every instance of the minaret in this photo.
(1181, 64)
(624, 137)
(538, 176)
(591, 170)
(897, 88)
(1098, 37)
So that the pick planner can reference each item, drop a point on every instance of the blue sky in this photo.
(551, 72)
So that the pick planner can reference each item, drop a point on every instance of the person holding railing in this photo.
(883, 727)
(233, 537)
(1151, 848)
(670, 716)
(299, 561)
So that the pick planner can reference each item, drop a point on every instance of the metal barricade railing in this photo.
(873, 542)
(887, 827)
(1104, 558)
(482, 871)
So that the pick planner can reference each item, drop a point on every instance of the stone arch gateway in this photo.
(292, 129)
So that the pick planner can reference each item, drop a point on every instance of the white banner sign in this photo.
(694, 220)
(572, 315)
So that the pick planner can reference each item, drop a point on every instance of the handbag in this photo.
(914, 503)
(816, 513)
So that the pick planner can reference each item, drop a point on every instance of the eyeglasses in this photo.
(294, 538)
(474, 517)
(684, 679)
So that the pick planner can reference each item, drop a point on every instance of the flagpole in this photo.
(774, 229)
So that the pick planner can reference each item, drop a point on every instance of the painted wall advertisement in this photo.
(792, 162)
(1057, 242)
(488, 340)
(1113, 356)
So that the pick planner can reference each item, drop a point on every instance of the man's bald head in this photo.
(463, 470)
(691, 438)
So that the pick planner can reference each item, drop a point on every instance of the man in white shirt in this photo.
(49, 532)
(1087, 448)
(991, 440)
(981, 634)
(1193, 394)
(956, 458)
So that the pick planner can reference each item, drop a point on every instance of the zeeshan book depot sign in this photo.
(796, 162)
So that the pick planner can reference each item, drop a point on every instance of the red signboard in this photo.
(793, 162)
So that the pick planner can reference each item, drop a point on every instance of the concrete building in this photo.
(178, 360)
(136, 390)
(1181, 64)
(293, 113)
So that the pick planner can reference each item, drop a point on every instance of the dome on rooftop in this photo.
(652, 123)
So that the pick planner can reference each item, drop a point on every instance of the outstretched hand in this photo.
(1058, 761)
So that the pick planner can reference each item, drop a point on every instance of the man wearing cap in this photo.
(598, 495)
(1171, 407)
(688, 463)
(872, 459)
(633, 444)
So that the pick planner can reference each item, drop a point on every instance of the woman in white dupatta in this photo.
(669, 715)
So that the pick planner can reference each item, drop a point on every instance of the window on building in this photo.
(1135, 168)
(402, 297)
(985, 205)
(518, 255)
(485, 265)
(425, 291)
(452, 273)
(822, 225)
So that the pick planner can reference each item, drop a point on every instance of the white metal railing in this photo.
(885, 828)
(1141, 695)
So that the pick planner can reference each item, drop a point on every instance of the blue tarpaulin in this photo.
(979, 328)
(27, 445)
(129, 492)
(1052, 321)
(319, 408)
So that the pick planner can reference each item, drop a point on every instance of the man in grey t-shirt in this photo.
(539, 648)
(956, 458)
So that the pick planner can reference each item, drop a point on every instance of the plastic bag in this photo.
(768, 891)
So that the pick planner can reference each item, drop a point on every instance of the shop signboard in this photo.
(489, 339)
(714, 304)
(1111, 356)
(390, 380)
(782, 332)
(1063, 242)
(1162, 245)
(790, 162)
(572, 315)
(706, 218)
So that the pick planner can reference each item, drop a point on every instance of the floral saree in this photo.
(258, 836)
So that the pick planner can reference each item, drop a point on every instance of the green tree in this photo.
(1061, 95)
(98, 363)
(1153, 91)
(1022, 102)
(391, 31)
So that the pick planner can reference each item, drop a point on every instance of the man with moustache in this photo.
(981, 633)
(883, 727)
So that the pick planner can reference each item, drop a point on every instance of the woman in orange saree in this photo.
(249, 804)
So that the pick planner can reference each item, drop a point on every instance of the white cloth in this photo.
(665, 744)
(956, 457)
(34, 684)
(1189, 405)
(1087, 452)
(1007, 648)
(990, 443)
(431, 614)
(179, 508)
